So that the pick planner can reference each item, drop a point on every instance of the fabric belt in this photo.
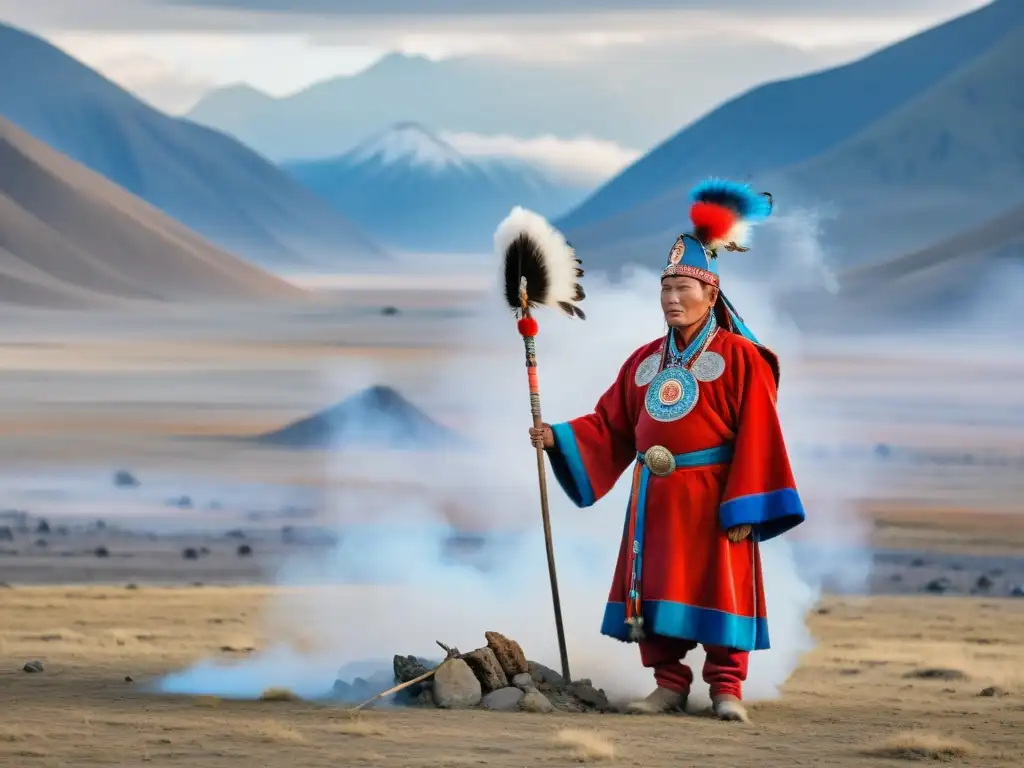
(660, 462)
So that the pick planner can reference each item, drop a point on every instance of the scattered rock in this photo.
(244, 550)
(588, 695)
(33, 666)
(131, 585)
(128, 679)
(992, 690)
(984, 582)
(938, 586)
(509, 654)
(503, 699)
(235, 533)
(535, 701)
(190, 553)
(918, 562)
(408, 668)
(524, 681)
(488, 671)
(455, 686)
(125, 479)
(544, 675)
(181, 502)
(936, 673)
(101, 552)
(389, 311)
(425, 698)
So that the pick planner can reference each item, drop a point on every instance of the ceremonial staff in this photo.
(539, 269)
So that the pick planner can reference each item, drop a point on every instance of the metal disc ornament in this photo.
(672, 395)
(708, 367)
(659, 460)
(647, 370)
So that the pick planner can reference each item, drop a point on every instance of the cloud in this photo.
(466, 15)
(585, 7)
(584, 162)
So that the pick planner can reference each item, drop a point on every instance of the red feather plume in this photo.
(711, 222)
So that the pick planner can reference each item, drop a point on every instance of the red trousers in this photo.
(725, 669)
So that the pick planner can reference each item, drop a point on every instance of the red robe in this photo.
(694, 583)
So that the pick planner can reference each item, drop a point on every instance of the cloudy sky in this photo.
(172, 51)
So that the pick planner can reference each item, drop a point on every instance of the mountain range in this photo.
(976, 275)
(617, 95)
(919, 140)
(71, 239)
(412, 191)
(203, 178)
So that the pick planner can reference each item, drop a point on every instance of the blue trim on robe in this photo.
(769, 514)
(567, 466)
(706, 626)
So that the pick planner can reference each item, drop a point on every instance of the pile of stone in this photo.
(497, 677)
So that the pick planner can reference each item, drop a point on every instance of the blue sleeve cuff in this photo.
(769, 514)
(567, 466)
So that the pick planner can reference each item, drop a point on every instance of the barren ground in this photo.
(81, 396)
(851, 695)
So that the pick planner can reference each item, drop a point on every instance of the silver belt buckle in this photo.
(660, 461)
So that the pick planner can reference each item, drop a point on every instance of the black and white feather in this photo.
(532, 250)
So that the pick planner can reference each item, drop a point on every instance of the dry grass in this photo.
(361, 726)
(852, 682)
(924, 745)
(278, 694)
(586, 746)
(276, 732)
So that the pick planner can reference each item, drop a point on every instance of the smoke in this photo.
(393, 584)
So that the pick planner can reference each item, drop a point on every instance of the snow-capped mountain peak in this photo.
(411, 144)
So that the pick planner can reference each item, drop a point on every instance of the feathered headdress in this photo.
(722, 212)
(539, 266)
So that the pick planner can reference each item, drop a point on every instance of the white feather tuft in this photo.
(559, 257)
(738, 234)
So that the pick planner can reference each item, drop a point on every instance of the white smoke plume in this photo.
(389, 588)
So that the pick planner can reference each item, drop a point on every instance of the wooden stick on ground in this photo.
(450, 653)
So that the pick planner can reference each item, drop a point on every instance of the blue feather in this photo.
(741, 198)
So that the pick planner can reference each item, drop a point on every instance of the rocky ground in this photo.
(891, 679)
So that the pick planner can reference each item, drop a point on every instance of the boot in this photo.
(660, 701)
(729, 708)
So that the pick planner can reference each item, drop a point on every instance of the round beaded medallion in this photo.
(672, 395)
(647, 370)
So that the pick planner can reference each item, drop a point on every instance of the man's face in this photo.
(685, 300)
